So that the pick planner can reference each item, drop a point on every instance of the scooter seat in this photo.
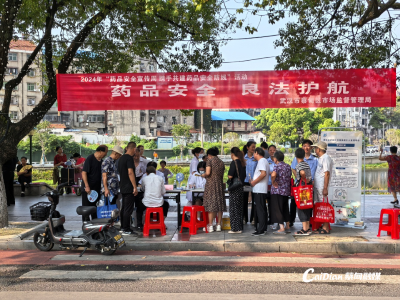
(100, 221)
(86, 210)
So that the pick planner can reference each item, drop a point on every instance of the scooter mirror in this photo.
(115, 214)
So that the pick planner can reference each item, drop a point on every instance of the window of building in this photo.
(27, 56)
(31, 101)
(13, 115)
(165, 119)
(31, 73)
(158, 112)
(151, 68)
(228, 123)
(12, 71)
(110, 116)
(80, 118)
(31, 86)
(4, 86)
(51, 118)
(12, 56)
(239, 123)
(151, 119)
(363, 122)
(142, 67)
(142, 118)
(95, 118)
(142, 131)
(14, 100)
(184, 121)
(174, 122)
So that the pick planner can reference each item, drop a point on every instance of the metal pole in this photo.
(222, 138)
(30, 149)
(201, 127)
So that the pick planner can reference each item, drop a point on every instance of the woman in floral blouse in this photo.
(280, 192)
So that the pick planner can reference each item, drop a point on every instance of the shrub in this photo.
(290, 150)
(283, 149)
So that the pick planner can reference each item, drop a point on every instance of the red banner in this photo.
(212, 90)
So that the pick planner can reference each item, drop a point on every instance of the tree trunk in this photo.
(3, 202)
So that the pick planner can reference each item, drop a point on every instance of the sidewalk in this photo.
(340, 241)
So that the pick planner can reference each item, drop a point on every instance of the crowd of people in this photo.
(257, 175)
(266, 184)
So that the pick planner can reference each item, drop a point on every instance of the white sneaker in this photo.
(218, 228)
(210, 228)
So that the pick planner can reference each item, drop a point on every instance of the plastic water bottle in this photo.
(174, 184)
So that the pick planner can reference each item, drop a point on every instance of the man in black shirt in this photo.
(91, 177)
(126, 170)
(24, 172)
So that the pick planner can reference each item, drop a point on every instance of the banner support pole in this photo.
(222, 138)
(201, 127)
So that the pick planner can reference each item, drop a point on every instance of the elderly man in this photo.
(312, 161)
(24, 172)
(91, 177)
(322, 178)
(110, 183)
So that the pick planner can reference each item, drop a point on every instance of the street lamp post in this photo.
(31, 133)
(383, 134)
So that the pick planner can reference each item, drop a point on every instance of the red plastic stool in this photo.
(316, 225)
(151, 224)
(194, 224)
(392, 227)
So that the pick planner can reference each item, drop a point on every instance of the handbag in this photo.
(106, 210)
(236, 182)
(303, 195)
(324, 212)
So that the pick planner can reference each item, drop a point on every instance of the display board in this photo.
(345, 149)
(224, 90)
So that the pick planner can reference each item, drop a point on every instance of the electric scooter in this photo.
(98, 234)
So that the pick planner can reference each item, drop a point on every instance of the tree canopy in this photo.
(331, 34)
(384, 116)
(293, 124)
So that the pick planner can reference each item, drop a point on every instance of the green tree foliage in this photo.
(181, 134)
(393, 136)
(293, 124)
(332, 34)
(388, 115)
(232, 140)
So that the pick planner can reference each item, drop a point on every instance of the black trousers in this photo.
(9, 186)
(24, 179)
(261, 213)
(246, 205)
(86, 202)
(269, 207)
(128, 204)
(292, 209)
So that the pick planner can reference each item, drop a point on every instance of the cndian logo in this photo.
(322, 276)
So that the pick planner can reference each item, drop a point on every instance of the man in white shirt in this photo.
(154, 189)
(322, 177)
(260, 191)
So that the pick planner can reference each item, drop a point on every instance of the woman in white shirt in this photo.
(198, 182)
(198, 154)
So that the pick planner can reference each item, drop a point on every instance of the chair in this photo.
(392, 227)
(193, 224)
(149, 223)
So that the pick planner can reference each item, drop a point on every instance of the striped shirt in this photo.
(303, 166)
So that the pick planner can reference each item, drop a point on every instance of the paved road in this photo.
(196, 275)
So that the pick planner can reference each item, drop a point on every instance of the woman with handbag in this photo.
(236, 175)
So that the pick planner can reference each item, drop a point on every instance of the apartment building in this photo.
(356, 117)
(28, 93)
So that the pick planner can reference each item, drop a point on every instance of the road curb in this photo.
(283, 247)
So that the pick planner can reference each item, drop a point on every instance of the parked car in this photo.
(372, 149)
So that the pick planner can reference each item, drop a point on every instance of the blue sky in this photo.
(255, 48)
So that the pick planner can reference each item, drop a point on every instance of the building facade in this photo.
(29, 92)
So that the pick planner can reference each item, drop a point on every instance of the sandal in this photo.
(323, 231)
(302, 232)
